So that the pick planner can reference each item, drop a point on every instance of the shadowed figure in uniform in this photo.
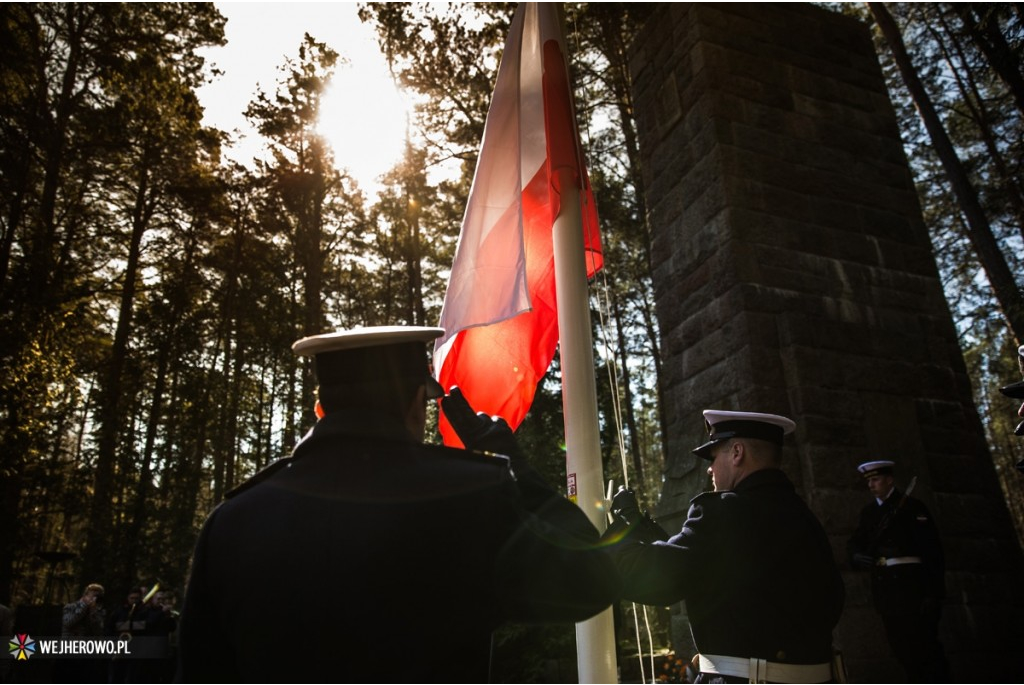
(368, 556)
(1016, 391)
(897, 541)
(752, 562)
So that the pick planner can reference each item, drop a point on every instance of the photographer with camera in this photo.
(84, 617)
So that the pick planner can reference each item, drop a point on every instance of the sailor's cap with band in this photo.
(879, 467)
(373, 355)
(1016, 390)
(376, 360)
(723, 425)
(884, 467)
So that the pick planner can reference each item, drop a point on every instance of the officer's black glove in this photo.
(629, 523)
(625, 506)
(479, 432)
(616, 532)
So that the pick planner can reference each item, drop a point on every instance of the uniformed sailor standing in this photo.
(1016, 391)
(368, 556)
(762, 589)
(897, 541)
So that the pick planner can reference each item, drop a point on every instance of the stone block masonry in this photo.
(793, 274)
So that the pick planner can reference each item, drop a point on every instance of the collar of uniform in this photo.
(885, 499)
(359, 425)
(892, 498)
(763, 477)
(336, 425)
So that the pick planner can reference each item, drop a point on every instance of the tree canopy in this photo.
(150, 290)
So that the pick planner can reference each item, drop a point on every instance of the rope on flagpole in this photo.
(603, 309)
(610, 358)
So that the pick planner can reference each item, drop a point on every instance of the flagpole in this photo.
(595, 637)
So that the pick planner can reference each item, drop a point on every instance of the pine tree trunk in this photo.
(971, 96)
(992, 43)
(112, 409)
(979, 231)
(627, 394)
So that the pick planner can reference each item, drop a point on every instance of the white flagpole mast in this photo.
(595, 637)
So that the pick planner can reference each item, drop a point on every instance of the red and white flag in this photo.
(499, 315)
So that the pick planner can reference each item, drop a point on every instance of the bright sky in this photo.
(364, 119)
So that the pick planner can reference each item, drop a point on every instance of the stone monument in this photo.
(793, 274)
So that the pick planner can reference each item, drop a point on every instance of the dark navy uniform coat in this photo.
(368, 558)
(756, 571)
(901, 526)
(908, 596)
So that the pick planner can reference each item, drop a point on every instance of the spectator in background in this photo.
(128, 618)
(127, 621)
(162, 624)
(83, 618)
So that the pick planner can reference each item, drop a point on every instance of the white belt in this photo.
(896, 561)
(763, 671)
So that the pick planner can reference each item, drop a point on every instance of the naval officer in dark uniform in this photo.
(762, 589)
(368, 556)
(897, 541)
(1016, 391)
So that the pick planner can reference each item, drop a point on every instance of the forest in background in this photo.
(150, 290)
